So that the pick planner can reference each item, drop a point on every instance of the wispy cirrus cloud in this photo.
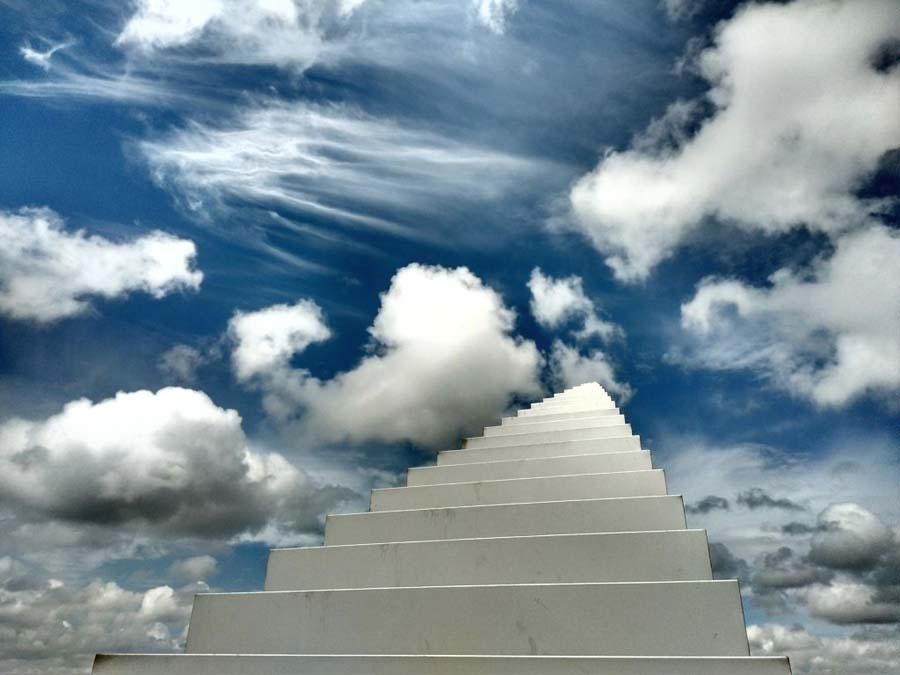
(333, 162)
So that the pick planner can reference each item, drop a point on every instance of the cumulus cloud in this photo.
(283, 32)
(266, 340)
(555, 302)
(569, 367)
(170, 461)
(707, 504)
(808, 332)
(850, 537)
(444, 362)
(863, 653)
(181, 362)
(48, 273)
(329, 161)
(782, 148)
(54, 626)
(757, 498)
(195, 568)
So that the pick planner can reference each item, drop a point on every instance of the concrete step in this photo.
(560, 416)
(675, 555)
(567, 408)
(517, 490)
(530, 468)
(563, 517)
(614, 431)
(671, 618)
(555, 425)
(288, 664)
(587, 402)
(537, 450)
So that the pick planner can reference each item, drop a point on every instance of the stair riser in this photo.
(615, 431)
(530, 468)
(659, 619)
(566, 517)
(539, 450)
(596, 414)
(203, 664)
(545, 489)
(680, 555)
(559, 425)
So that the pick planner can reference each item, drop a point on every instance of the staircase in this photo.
(546, 546)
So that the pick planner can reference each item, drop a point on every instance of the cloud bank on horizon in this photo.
(257, 258)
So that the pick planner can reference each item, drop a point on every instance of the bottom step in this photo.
(436, 665)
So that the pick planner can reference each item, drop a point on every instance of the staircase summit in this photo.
(548, 545)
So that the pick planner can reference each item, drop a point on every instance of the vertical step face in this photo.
(592, 414)
(564, 517)
(678, 555)
(284, 664)
(555, 425)
(536, 450)
(544, 489)
(683, 618)
(615, 431)
(530, 468)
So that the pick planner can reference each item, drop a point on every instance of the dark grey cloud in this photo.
(783, 569)
(758, 498)
(707, 504)
(726, 565)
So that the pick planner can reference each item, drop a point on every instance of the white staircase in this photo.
(546, 546)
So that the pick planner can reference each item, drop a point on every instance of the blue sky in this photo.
(260, 257)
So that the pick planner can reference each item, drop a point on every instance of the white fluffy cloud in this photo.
(170, 461)
(283, 32)
(445, 361)
(864, 653)
(266, 339)
(796, 127)
(47, 273)
(554, 302)
(829, 334)
(568, 367)
(195, 568)
(54, 627)
(849, 537)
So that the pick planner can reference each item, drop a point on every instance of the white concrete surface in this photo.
(675, 555)
(591, 414)
(535, 450)
(201, 664)
(530, 468)
(672, 618)
(613, 431)
(517, 490)
(563, 517)
(555, 425)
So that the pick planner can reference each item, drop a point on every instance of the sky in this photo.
(259, 257)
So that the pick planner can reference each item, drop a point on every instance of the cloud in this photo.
(195, 568)
(757, 498)
(329, 161)
(495, 13)
(266, 340)
(47, 273)
(443, 362)
(41, 59)
(170, 461)
(808, 332)
(782, 569)
(281, 32)
(707, 504)
(850, 537)
(555, 302)
(56, 627)
(181, 362)
(864, 653)
(781, 148)
(568, 367)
